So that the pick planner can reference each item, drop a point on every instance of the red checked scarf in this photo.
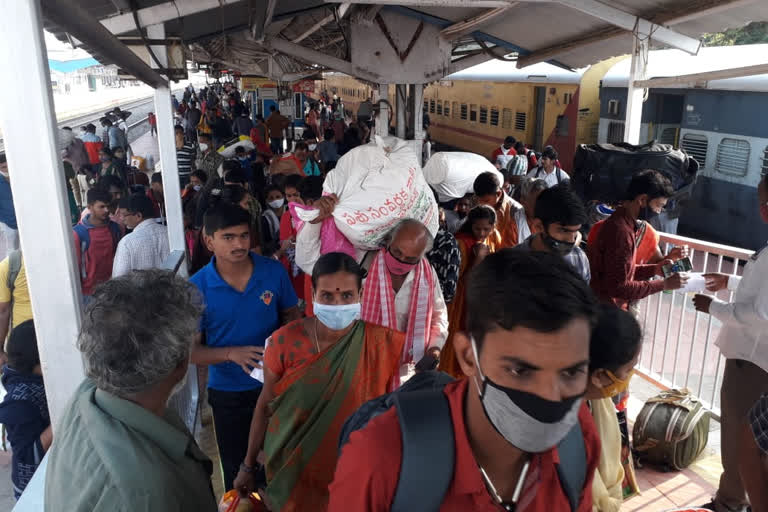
(379, 306)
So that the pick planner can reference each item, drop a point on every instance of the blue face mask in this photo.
(337, 317)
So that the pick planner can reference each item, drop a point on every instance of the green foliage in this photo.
(754, 33)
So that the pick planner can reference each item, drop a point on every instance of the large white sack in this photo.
(377, 185)
(452, 174)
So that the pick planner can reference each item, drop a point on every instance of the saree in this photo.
(313, 400)
(457, 315)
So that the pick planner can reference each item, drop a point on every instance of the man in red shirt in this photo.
(525, 355)
(96, 239)
(615, 276)
(504, 153)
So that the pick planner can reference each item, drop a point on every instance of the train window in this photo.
(464, 111)
(764, 170)
(439, 107)
(431, 106)
(696, 146)
(447, 109)
(669, 136)
(506, 118)
(483, 114)
(567, 98)
(426, 105)
(613, 107)
(494, 116)
(615, 132)
(561, 126)
(473, 113)
(520, 121)
(455, 109)
(733, 157)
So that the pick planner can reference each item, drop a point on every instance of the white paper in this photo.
(258, 373)
(696, 283)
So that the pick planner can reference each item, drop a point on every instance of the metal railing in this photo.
(678, 345)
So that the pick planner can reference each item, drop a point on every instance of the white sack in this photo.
(452, 174)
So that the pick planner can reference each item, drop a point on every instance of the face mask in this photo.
(617, 385)
(243, 158)
(396, 266)
(203, 147)
(312, 147)
(277, 203)
(525, 420)
(105, 158)
(337, 317)
(197, 187)
(558, 246)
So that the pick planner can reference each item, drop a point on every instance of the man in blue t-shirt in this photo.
(247, 297)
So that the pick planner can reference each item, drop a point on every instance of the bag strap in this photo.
(14, 267)
(428, 460)
(573, 472)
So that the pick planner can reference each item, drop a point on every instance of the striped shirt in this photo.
(185, 155)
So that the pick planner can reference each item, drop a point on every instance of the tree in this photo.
(754, 33)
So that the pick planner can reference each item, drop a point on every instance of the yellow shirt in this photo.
(22, 306)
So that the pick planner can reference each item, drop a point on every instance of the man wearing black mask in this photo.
(525, 355)
(558, 217)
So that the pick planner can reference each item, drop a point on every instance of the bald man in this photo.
(402, 292)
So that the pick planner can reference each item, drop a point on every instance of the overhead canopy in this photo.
(288, 39)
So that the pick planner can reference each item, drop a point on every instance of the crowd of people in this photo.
(532, 323)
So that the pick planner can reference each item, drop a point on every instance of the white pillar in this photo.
(28, 121)
(418, 120)
(400, 92)
(637, 71)
(382, 123)
(167, 142)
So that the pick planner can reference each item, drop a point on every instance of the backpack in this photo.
(671, 430)
(558, 173)
(85, 242)
(429, 446)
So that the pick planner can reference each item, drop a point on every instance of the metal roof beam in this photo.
(161, 13)
(680, 14)
(465, 27)
(627, 21)
(315, 57)
(259, 31)
(77, 21)
(490, 4)
(695, 78)
(341, 11)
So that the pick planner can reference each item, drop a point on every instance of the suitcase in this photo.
(671, 430)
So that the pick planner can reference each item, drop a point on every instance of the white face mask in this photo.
(312, 147)
(277, 203)
(203, 147)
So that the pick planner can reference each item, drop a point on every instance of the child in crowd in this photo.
(270, 219)
(613, 353)
(24, 410)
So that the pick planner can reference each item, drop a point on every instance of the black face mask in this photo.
(558, 246)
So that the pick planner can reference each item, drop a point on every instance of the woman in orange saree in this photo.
(317, 372)
(477, 238)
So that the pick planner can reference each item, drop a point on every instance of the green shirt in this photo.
(113, 455)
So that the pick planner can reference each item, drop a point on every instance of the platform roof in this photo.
(572, 34)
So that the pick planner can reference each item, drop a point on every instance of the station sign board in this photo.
(304, 86)
(252, 83)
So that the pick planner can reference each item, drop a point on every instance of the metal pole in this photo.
(418, 120)
(635, 94)
(167, 143)
(42, 207)
(382, 123)
(400, 106)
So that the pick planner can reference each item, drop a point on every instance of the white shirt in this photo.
(523, 230)
(550, 178)
(744, 334)
(147, 247)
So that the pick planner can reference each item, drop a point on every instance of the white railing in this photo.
(678, 345)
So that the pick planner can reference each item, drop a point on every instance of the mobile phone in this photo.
(681, 265)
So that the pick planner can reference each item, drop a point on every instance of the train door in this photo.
(539, 102)
(665, 118)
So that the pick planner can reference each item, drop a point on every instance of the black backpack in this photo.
(429, 446)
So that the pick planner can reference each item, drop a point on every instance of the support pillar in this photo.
(40, 201)
(400, 91)
(382, 123)
(635, 94)
(167, 143)
(418, 121)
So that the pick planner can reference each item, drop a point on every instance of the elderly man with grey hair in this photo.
(118, 447)
(402, 292)
(529, 191)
